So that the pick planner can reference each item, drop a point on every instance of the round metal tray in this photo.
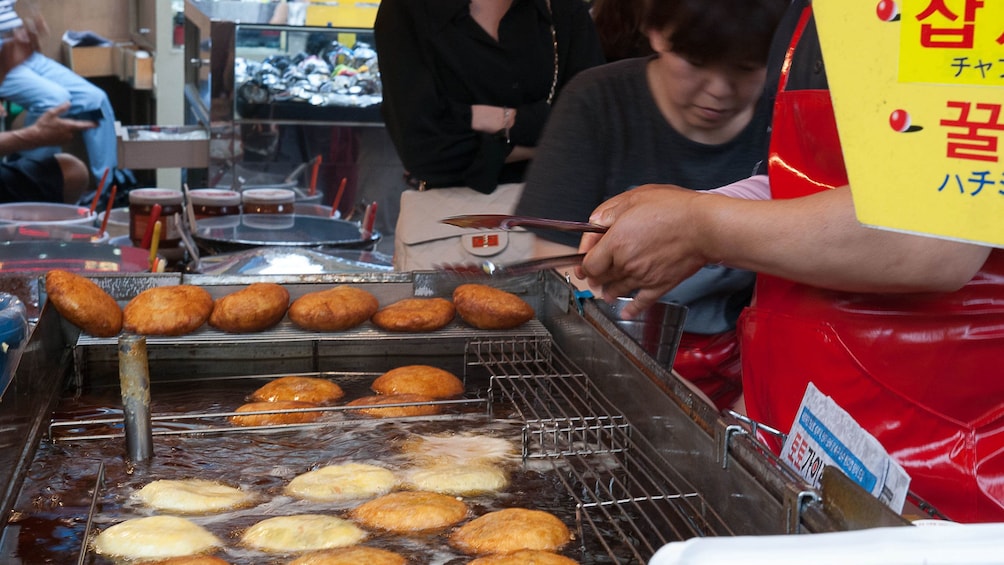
(223, 234)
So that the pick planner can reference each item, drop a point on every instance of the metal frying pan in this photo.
(224, 234)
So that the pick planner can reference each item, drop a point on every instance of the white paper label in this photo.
(825, 434)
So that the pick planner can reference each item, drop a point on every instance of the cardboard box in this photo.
(162, 147)
(134, 66)
(90, 61)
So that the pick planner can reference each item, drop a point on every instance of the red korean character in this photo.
(938, 34)
(971, 142)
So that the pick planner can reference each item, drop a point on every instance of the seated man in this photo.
(40, 84)
(44, 179)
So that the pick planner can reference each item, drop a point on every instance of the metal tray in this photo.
(224, 234)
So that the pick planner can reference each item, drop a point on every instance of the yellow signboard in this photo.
(918, 91)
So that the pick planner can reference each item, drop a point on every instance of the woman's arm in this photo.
(659, 235)
(431, 135)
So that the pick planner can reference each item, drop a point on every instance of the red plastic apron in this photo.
(924, 373)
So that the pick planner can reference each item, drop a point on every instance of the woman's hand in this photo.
(651, 246)
(492, 119)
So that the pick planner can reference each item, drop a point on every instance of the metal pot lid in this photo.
(286, 230)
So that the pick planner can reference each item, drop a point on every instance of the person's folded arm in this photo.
(431, 133)
(659, 235)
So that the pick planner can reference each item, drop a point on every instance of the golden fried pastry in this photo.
(463, 480)
(489, 308)
(277, 418)
(342, 482)
(332, 310)
(509, 530)
(83, 303)
(168, 310)
(410, 511)
(525, 557)
(190, 560)
(458, 449)
(395, 411)
(351, 556)
(155, 537)
(303, 389)
(302, 532)
(415, 315)
(256, 307)
(419, 379)
(192, 496)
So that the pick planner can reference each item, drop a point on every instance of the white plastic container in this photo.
(45, 213)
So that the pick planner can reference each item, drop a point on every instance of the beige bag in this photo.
(421, 242)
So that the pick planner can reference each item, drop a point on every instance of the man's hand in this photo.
(651, 246)
(51, 129)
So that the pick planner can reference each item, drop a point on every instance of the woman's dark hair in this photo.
(709, 31)
(619, 26)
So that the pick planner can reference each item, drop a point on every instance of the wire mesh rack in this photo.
(623, 490)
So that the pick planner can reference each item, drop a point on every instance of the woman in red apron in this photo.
(922, 372)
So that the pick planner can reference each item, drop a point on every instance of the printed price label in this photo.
(824, 434)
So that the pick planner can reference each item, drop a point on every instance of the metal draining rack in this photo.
(623, 489)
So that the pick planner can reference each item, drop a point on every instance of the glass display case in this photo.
(275, 97)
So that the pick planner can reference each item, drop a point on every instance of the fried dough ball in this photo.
(395, 411)
(190, 560)
(509, 530)
(168, 310)
(303, 389)
(463, 480)
(415, 315)
(419, 379)
(155, 537)
(342, 482)
(332, 310)
(525, 557)
(277, 418)
(192, 496)
(256, 307)
(458, 449)
(302, 532)
(410, 511)
(83, 303)
(351, 556)
(489, 308)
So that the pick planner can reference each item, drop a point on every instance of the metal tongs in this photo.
(507, 222)
(492, 269)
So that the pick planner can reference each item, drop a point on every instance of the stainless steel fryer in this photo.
(642, 460)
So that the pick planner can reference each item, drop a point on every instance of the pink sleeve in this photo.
(753, 188)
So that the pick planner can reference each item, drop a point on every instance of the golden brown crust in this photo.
(83, 303)
(256, 307)
(334, 309)
(489, 308)
(303, 389)
(509, 530)
(410, 511)
(525, 557)
(168, 310)
(419, 379)
(278, 418)
(191, 560)
(395, 411)
(415, 315)
(352, 556)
